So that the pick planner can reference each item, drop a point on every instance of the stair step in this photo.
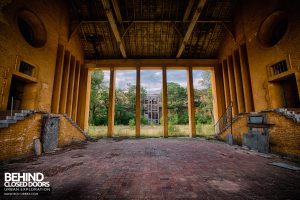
(3, 125)
(10, 117)
(18, 117)
(20, 114)
(9, 121)
(26, 111)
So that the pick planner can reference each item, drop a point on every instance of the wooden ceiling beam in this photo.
(114, 28)
(191, 27)
(154, 21)
(188, 10)
(117, 10)
(170, 63)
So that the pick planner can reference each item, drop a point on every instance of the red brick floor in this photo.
(174, 168)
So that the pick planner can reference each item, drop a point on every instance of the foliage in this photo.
(144, 120)
(131, 123)
(203, 100)
(125, 103)
(177, 104)
(98, 100)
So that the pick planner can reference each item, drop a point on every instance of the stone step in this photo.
(3, 125)
(8, 121)
(15, 117)
(26, 111)
(20, 114)
(19, 117)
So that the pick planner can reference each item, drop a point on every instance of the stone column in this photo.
(249, 107)
(76, 91)
(226, 83)
(87, 100)
(138, 103)
(218, 92)
(191, 108)
(111, 107)
(65, 83)
(71, 86)
(232, 86)
(238, 82)
(84, 98)
(164, 102)
(58, 76)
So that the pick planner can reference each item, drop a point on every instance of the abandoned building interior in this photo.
(49, 50)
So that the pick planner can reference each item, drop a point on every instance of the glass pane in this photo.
(151, 90)
(125, 103)
(99, 102)
(203, 103)
(178, 120)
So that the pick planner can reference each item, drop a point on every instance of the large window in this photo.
(125, 95)
(151, 107)
(99, 102)
(151, 94)
(178, 120)
(203, 103)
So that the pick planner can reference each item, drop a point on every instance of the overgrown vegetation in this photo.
(125, 105)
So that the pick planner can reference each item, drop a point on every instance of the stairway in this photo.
(74, 124)
(6, 119)
(292, 113)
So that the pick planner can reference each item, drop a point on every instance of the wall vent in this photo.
(26, 68)
(279, 67)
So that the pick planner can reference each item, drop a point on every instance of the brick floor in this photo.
(177, 168)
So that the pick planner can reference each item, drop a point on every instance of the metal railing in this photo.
(225, 120)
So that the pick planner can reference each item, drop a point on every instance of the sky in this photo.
(151, 80)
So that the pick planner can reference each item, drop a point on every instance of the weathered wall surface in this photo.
(248, 19)
(17, 139)
(68, 133)
(239, 127)
(284, 133)
(285, 136)
(55, 17)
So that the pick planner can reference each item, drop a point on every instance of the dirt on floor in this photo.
(159, 168)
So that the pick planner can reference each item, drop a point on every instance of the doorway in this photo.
(290, 92)
(22, 93)
(16, 93)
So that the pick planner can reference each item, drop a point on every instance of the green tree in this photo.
(203, 100)
(177, 104)
(98, 100)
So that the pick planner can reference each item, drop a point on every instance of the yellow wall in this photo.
(68, 133)
(284, 133)
(285, 136)
(55, 17)
(248, 19)
(17, 139)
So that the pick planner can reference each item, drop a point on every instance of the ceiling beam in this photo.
(114, 28)
(191, 27)
(188, 10)
(74, 31)
(155, 21)
(229, 31)
(176, 63)
(117, 10)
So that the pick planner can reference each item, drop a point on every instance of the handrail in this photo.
(225, 120)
